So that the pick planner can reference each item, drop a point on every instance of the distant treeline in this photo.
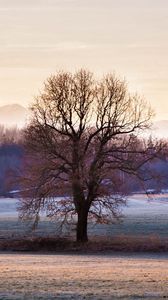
(12, 156)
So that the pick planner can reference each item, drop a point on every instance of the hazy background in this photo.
(40, 37)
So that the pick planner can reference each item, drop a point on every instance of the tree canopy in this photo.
(85, 133)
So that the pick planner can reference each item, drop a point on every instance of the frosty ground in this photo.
(89, 277)
(96, 276)
(141, 216)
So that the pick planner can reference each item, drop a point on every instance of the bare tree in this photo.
(83, 136)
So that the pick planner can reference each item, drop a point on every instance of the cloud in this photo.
(62, 46)
(147, 46)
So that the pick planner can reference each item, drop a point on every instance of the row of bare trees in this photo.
(11, 157)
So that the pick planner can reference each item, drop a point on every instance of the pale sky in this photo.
(39, 37)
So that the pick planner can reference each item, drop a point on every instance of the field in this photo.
(93, 277)
(141, 216)
(102, 275)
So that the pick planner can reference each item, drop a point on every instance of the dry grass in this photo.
(124, 243)
(105, 268)
(90, 277)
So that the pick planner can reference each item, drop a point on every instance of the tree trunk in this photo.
(82, 225)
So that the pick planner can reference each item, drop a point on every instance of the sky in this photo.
(40, 37)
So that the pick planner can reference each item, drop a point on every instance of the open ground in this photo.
(79, 277)
(141, 216)
(101, 275)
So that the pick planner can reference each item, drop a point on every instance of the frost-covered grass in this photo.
(142, 216)
(91, 277)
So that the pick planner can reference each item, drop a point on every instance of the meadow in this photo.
(141, 216)
(79, 277)
(89, 275)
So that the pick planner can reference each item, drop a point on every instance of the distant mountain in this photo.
(13, 114)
